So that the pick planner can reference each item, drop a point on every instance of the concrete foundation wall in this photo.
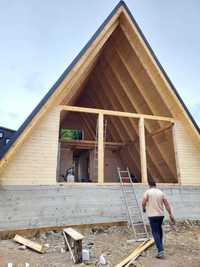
(25, 207)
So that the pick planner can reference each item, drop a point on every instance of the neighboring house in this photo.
(114, 106)
(5, 136)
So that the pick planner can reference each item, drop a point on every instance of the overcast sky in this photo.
(39, 39)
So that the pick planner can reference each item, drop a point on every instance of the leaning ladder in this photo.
(134, 214)
(95, 169)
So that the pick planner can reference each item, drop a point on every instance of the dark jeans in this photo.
(156, 229)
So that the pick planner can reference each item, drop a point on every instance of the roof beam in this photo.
(117, 96)
(126, 82)
(118, 126)
(115, 113)
(69, 79)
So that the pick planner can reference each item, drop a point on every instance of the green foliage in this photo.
(70, 134)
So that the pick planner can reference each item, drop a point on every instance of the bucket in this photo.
(85, 255)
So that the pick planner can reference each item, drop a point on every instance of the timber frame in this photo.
(119, 64)
(141, 118)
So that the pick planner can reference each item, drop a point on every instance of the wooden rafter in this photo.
(126, 84)
(141, 80)
(66, 84)
(113, 87)
(120, 88)
(120, 124)
(115, 128)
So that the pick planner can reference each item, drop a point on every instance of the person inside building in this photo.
(154, 202)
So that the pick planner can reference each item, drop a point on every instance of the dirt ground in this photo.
(182, 246)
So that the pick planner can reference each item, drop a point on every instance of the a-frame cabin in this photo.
(117, 99)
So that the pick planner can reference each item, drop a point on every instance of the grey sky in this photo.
(38, 39)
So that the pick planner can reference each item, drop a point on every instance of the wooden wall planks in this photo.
(36, 160)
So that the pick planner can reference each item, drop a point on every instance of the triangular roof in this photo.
(110, 20)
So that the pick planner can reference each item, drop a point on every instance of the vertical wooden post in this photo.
(101, 149)
(143, 158)
(176, 154)
(58, 169)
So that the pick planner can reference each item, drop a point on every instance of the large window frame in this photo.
(101, 113)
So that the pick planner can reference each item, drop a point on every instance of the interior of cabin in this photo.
(116, 80)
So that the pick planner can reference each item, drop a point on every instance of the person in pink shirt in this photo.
(154, 202)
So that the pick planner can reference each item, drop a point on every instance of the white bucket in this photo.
(85, 255)
(102, 260)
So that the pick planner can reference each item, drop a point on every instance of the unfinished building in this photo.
(114, 106)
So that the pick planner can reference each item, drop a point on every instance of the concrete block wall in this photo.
(26, 207)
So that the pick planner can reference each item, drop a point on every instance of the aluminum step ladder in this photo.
(134, 214)
(95, 164)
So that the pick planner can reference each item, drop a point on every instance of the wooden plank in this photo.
(30, 244)
(73, 233)
(112, 102)
(111, 83)
(176, 154)
(88, 125)
(90, 143)
(160, 130)
(86, 58)
(69, 247)
(118, 63)
(114, 113)
(101, 148)
(143, 158)
(115, 125)
(136, 253)
(157, 75)
(114, 134)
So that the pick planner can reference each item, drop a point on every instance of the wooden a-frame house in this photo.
(117, 95)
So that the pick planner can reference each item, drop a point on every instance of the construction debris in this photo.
(30, 244)
(136, 253)
(22, 247)
(85, 255)
(74, 239)
(102, 260)
(112, 243)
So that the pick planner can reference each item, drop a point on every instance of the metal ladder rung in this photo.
(134, 214)
(138, 223)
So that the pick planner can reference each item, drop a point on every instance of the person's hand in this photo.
(171, 219)
(144, 210)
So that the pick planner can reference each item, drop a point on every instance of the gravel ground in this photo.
(182, 246)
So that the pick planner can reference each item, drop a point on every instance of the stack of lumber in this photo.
(136, 253)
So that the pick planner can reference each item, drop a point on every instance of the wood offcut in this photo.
(136, 253)
(73, 240)
(30, 244)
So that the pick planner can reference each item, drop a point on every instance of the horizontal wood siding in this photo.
(36, 160)
(26, 207)
(188, 156)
